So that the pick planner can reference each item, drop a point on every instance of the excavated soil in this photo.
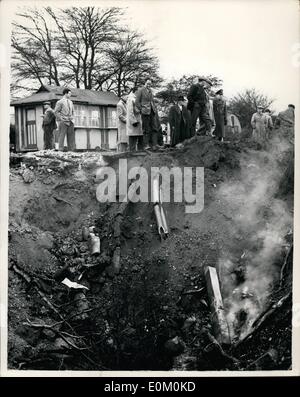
(154, 314)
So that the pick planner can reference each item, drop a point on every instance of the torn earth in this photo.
(92, 286)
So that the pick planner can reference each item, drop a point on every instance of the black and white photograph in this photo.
(147, 186)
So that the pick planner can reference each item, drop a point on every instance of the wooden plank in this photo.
(105, 116)
(23, 128)
(31, 134)
(220, 326)
(17, 129)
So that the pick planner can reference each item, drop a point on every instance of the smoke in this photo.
(260, 222)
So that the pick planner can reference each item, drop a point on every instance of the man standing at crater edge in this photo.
(146, 105)
(197, 104)
(64, 112)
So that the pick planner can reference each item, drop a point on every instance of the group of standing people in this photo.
(262, 125)
(138, 121)
(130, 133)
(63, 114)
(139, 125)
(183, 116)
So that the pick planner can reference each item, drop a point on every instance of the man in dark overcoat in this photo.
(197, 104)
(220, 115)
(146, 105)
(179, 120)
(49, 125)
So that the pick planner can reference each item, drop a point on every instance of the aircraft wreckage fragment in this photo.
(158, 209)
(220, 326)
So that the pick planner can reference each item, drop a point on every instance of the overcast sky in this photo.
(245, 43)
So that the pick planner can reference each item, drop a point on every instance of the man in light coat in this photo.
(146, 105)
(134, 123)
(122, 114)
(64, 112)
(259, 125)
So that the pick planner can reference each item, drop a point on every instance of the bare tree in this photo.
(83, 34)
(181, 86)
(85, 47)
(33, 57)
(130, 61)
(245, 104)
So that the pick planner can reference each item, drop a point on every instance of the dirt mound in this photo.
(62, 208)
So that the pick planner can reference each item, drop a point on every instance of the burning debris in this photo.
(218, 316)
(264, 219)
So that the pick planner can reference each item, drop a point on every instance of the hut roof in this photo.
(50, 93)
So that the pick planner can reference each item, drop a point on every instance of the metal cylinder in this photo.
(85, 233)
(163, 220)
(157, 216)
(95, 244)
(155, 189)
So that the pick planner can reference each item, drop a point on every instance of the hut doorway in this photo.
(31, 137)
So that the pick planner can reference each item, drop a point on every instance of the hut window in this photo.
(232, 120)
(112, 118)
(94, 119)
(80, 115)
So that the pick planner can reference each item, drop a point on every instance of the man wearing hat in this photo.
(287, 117)
(197, 104)
(179, 121)
(49, 125)
(145, 104)
(122, 141)
(269, 123)
(259, 124)
(220, 115)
